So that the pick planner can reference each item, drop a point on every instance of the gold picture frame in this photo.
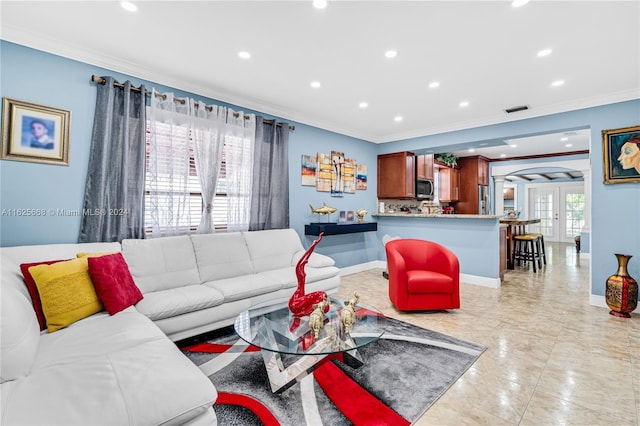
(621, 153)
(35, 133)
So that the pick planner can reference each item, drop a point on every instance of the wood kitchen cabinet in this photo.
(424, 166)
(449, 185)
(396, 175)
(474, 171)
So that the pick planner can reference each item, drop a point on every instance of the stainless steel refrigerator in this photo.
(484, 203)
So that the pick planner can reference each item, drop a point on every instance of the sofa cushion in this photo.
(33, 289)
(272, 249)
(66, 292)
(108, 370)
(176, 301)
(161, 263)
(20, 335)
(221, 255)
(244, 286)
(113, 282)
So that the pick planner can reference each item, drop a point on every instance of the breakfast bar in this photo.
(474, 238)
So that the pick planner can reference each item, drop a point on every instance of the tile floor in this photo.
(552, 359)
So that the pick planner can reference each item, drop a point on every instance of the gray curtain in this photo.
(270, 190)
(114, 192)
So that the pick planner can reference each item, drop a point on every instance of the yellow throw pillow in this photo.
(66, 292)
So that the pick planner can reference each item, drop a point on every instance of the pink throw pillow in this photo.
(33, 289)
(113, 282)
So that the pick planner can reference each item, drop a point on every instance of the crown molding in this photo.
(34, 40)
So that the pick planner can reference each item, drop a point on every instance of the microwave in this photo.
(424, 189)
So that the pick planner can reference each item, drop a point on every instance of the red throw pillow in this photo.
(33, 289)
(113, 282)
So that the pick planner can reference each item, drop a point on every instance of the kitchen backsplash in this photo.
(410, 206)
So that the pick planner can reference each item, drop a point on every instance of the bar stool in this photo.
(527, 248)
(541, 249)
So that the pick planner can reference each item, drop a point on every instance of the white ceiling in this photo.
(552, 143)
(483, 52)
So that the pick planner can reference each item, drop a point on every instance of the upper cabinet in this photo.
(396, 175)
(424, 166)
(474, 171)
(449, 184)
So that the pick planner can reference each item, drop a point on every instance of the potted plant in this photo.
(448, 159)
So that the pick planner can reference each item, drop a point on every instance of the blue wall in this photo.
(39, 77)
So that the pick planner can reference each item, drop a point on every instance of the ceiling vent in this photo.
(516, 109)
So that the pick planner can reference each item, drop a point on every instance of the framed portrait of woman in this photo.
(35, 133)
(621, 153)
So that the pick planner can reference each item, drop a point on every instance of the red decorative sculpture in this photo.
(301, 304)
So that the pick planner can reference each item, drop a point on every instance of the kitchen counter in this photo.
(444, 216)
(474, 238)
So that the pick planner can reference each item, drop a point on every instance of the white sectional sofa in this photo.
(124, 369)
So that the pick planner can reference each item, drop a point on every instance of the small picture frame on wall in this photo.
(35, 133)
(621, 154)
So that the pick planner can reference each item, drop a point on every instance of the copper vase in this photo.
(622, 290)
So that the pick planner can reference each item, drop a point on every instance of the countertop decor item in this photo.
(325, 209)
(361, 213)
(301, 304)
(348, 313)
(316, 319)
(448, 159)
(622, 290)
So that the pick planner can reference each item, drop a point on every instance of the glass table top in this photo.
(275, 329)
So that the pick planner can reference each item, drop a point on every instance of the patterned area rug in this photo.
(403, 374)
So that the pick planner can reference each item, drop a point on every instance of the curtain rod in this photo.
(101, 80)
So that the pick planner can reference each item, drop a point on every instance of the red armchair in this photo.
(423, 275)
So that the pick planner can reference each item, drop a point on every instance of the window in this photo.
(168, 177)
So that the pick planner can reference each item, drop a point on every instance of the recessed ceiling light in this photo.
(557, 83)
(319, 4)
(564, 139)
(513, 145)
(128, 6)
(464, 104)
(434, 84)
(315, 84)
(471, 150)
(569, 145)
(519, 3)
(544, 52)
(503, 155)
(398, 118)
(244, 54)
(363, 104)
(390, 54)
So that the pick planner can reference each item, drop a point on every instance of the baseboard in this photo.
(381, 264)
(601, 302)
(481, 281)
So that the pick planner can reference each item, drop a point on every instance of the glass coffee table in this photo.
(277, 332)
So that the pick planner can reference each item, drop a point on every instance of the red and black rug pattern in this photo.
(403, 374)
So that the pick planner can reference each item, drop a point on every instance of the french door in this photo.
(560, 208)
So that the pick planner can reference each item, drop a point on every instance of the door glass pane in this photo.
(574, 208)
(543, 210)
